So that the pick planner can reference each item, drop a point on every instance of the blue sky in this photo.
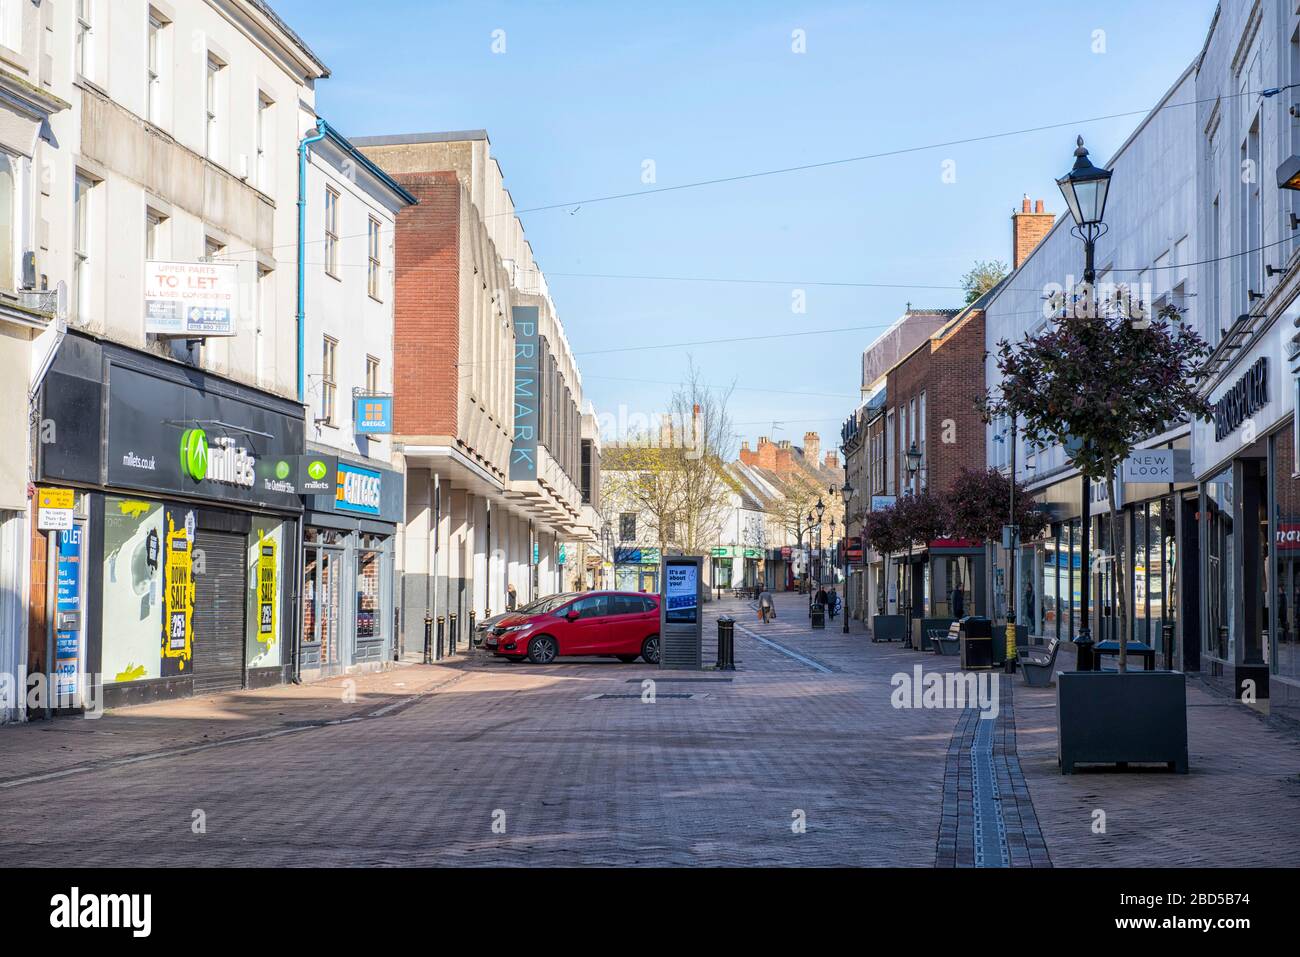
(585, 93)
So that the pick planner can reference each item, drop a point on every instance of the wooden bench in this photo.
(946, 641)
(1037, 667)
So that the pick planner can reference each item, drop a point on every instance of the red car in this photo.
(612, 624)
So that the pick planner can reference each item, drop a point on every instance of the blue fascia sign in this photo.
(357, 490)
(373, 414)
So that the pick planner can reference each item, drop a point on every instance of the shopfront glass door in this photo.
(322, 573)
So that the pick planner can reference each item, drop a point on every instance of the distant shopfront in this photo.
(636, 569)
(176, 576)
(1155, 546)
(348, 603)
(735, 566)
(1250, 524)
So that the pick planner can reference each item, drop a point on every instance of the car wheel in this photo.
(627, 659)
(650, 650)
(542, 650)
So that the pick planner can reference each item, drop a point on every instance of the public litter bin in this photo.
(976, 637)
(818, 616)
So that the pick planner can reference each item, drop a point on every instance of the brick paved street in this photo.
(418, 766)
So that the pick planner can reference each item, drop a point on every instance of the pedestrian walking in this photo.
(832, 603)
(512, 599)
(766, 607)
(821, 597)
(957, 601)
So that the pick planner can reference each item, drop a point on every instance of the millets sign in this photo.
(1244, 399)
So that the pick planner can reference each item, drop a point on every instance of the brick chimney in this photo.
(784, 457)
(1028, 229)
(833, 460)
(766, 455)
(746, 454)
(812, 447)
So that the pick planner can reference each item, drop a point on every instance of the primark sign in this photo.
(523, 447)
(1247, 396)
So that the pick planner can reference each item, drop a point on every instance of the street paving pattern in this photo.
(785, 764)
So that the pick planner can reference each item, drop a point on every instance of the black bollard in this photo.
(726, 644)
(441, 622)
(428, 639)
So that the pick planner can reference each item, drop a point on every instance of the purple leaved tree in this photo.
(1098, 381)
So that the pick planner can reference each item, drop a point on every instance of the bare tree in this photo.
(700, 412)
(675, 481)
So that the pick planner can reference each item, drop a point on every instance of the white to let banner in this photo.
(190, 299)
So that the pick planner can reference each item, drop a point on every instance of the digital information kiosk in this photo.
(680, 623)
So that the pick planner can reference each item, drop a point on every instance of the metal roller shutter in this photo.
(219, 603)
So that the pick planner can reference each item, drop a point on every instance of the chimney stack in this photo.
(812, 447)
(1028, 229)
(832, 459)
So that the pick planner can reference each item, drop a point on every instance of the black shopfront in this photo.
(189, 520)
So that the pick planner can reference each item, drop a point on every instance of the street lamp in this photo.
(1085, 188)
(819, 509)
(846, 491)
(913, 467)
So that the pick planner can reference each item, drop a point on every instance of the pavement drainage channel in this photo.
(989, 825)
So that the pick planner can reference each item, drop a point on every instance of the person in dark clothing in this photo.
(512, 599)
(821, 598)
(957, 601)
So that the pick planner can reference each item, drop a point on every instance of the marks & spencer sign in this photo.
(1246, 397)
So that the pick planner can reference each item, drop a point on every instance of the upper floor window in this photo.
(154, 224)
(11, 23)
(627, 527)
(372, 375)
(85, 37)
(332, 231)
(328, 380)
(372, 275)
(81, 273)
(212, 107)
(265, 135)
(153, 75)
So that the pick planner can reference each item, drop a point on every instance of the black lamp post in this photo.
(913, 467)
(846, 491)
(1085, 188)
(819, 508)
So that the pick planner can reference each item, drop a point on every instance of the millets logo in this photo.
(225, 463)
(194, 454)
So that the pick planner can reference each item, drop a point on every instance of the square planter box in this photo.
(888, 628)
(1104, 717)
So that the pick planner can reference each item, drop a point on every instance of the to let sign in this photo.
(1149, 465)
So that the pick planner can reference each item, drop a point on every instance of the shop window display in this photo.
(264, 647)
(132, 590)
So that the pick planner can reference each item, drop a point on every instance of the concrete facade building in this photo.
(152, 138)
(466, 279)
